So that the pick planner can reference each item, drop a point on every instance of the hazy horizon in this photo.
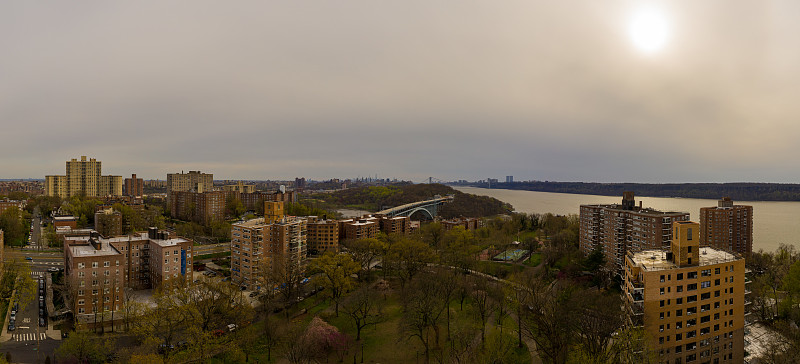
(578, 91)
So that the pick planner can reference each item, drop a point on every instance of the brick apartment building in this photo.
(184, 182)
(467, 223)
(323, 235)
(6, 204)
(108, 222)
(133, 186)
(200, 207)
(617, 229)
(727, 227)
(689, 300)
(99, 269)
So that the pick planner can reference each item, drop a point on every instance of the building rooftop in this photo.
(250, 223)
(90, 251)
(636, 209)
(653, 260)
(143, 236)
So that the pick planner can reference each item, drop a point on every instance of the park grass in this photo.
(381, 343)
(534, 260)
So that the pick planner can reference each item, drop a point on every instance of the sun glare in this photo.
(648, 30)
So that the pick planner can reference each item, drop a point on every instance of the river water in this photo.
(773, 222)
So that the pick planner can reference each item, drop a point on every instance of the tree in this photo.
(422, 309)
(482, 304)
(599, 317)
(407, 257)
(550, 320)
(281, 274)
(84, 347)
(333, 272)
(14, 229)
(363, 308)
(364, 252)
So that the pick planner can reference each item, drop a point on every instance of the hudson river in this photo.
(773, 222)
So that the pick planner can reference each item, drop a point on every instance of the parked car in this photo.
(11, 326)
(42, 322)
(232, 327)
(28, 258)
(53, 270)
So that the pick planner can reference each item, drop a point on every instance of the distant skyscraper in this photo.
(133, 186)
(509, 179)
(727, 227)
(83, 177)
(192, 181)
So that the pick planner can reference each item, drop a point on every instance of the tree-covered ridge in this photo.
(740, 191)
(375, 198)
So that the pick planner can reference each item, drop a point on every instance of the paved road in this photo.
(29, 342)
(211, 248)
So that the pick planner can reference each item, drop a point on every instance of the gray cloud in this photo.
(409, 89)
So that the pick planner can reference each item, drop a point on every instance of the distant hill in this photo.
(375, 198)
(740, 191)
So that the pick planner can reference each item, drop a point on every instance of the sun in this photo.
(649, 30)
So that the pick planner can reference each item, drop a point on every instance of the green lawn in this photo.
(534, 260)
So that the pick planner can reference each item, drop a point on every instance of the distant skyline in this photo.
(613, 91)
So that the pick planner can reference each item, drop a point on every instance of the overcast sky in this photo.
(544, 90)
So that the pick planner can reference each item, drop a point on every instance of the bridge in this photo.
(429, 207)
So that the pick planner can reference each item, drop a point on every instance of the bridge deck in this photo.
(415, 204)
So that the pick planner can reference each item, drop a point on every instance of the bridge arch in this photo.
(412, 212)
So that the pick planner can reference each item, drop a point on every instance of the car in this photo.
(53, 270)
(28, 258)
(64, 334)
(254, 293)
(41, 312)
(232, 327)
(243, 288)
(163, 348)
(16, 306)
(42, 322)
(11, 326)
(13, 316)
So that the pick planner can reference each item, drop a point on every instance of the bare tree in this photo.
(363, 307)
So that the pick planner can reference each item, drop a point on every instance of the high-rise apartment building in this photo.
(133, 186)
(509, 179)
(193, 181)
(727, 227)
(83, 177)
(259, 244)
(617, 229)
(2, 250)
(6, 204)
(200, 207)
(240, 187)
(689, 300)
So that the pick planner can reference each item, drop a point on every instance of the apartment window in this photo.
(691, 299)
(80, 292)
(678, 337)
(716, 281)
(716, 270)
(705, 296)
(81, 302)
(166, 253)
(679, 276)
(705, 319)
(662, 278)
(691, 275)
(81, 265)
(662, 290)
(691, 310)
(81, 310)
(691, 334)
(94, 264)
(691, 287)
(705, 272)
(716, 293)
(94, 292)
(705, 284)
(176, 252)
(118, 261)
(679, 301)
(106, 264)
(678, 325)
(678, 313)
(705, 307)
(80, 274)
(679, 289)
(94, 282)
